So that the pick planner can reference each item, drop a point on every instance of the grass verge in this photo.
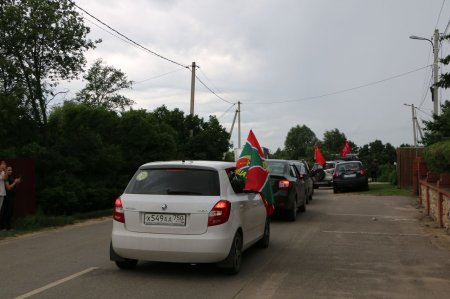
(386, 189)
(30, 224)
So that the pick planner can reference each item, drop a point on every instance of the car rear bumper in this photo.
(210, 247)
(350, 183)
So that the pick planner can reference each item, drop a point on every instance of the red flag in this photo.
(318, 157)
(345, 150)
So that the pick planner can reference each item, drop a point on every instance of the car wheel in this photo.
(126, 264)
(303, 207)
(292, 213)
(319, 175)
(232, 264)
(264, 242)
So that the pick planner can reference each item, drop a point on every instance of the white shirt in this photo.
(2, 184)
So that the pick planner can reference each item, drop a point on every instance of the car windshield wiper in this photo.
(182, 192)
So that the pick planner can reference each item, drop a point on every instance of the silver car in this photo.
(187, 212)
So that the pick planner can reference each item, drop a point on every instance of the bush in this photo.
(385, 173)
(437, 156)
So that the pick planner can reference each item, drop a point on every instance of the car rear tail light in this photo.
(284, 184)
(336, 174)
(118, 214)
(220, 213)
(302, 177)
(363, 172)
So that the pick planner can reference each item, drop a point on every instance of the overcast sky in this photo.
(326, 64)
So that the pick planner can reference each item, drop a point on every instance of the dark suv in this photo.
(350, 175)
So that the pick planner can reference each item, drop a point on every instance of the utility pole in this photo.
(436, 71)
(239, 124)
(414, 122)
(434, 87)
(192, 88)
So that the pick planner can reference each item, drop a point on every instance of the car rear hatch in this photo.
(170, 200)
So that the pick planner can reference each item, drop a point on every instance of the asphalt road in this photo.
(344, 246)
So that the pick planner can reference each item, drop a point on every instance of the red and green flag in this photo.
(252, 166)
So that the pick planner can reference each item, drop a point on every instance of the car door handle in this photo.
(255, 203)
(241, 205)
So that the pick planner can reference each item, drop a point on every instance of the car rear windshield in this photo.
(276, 168)
(356, 166)
(175, 181)
(330, 165)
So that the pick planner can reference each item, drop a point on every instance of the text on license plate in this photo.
(165, 219)
(350, 175)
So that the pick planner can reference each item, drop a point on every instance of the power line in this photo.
(439, 16)
(343, 90)
(426, 90)
(226, 111)
(109, 32)
(158, 76)
(206, 86)
(128, 39)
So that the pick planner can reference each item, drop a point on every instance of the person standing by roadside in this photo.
(3, 177)
(8, 202)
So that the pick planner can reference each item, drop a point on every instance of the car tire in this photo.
(303, 207)
(232, 264)
(126, 264)
(319, 175)
(264, 242)
(292, 213)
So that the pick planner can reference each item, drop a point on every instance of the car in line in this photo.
(323, 174)
(287, 187)
(350, 176)
(187, 212)
(306, 176)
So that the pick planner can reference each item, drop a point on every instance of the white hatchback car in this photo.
(187, 212)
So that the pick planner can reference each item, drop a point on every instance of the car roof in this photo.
(280, 160)
(191, 164)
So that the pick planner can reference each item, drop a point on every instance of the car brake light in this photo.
(363, 172)
(335, 174)
(118, 214)
(302, 177)
(284, 184)
(220, 213)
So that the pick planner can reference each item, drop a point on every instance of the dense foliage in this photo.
(437, 156)
(438, 129)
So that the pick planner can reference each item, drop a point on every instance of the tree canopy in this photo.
(298, 139)
(102, 88)
(43, 41)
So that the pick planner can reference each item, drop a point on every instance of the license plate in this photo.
(350, 175)
(165, 219)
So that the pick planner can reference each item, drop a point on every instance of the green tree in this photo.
(333, 141)
(103, 85)
(43, 41)
(195, 138)
(81, 167)
(438, 129)
(444, 79)
(278, 154)
(298, 140)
